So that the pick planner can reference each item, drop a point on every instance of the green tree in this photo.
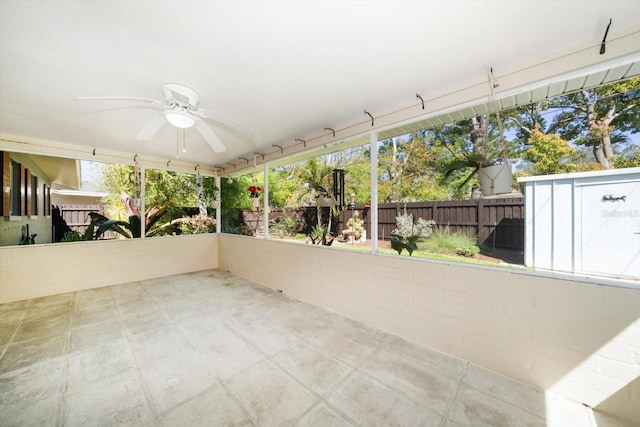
(628, 157)
(599, 118)
(357, 178)
(316, 177)
(165, 190)
(408, 169)
(550, 154)
(115, 180)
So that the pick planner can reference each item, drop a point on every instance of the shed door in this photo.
(610, 228)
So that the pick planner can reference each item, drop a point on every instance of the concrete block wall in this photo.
(577, 339)
(49, 269)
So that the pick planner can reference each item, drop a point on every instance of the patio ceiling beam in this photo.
(582, 67)
(568, 72)
(18, 144)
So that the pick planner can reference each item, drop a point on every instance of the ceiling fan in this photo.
(180, 109)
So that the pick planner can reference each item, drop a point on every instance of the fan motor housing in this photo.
(180, 95)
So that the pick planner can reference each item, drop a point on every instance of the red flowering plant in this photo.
(255, 190)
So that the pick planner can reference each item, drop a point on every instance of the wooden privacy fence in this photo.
(498, 223)
(77, 217)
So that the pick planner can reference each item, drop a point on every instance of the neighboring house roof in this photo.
(79, 193)
(61, 172)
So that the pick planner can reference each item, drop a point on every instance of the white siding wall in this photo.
(571, 225)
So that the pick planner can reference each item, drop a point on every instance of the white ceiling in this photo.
(285, 69)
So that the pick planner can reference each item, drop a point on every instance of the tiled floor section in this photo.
(209, 349)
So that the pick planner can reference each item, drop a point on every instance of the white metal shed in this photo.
(586, 222)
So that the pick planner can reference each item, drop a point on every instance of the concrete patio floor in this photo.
(209, 348)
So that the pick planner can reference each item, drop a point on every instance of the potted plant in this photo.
(254, 193)
(215, 197)
(210, 193)
(487, 160)
(495, 176)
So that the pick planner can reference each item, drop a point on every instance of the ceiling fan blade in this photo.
(210, 136)
(151, 128)
(117, 98)
(225, 121)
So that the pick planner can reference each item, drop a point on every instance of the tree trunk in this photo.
(394, 170)
(478, 134)
(600, 132)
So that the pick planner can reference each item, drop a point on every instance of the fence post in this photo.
(480, 230)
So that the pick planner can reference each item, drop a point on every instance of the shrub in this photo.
(406, 228)
(445, 240)
(468, 251)
(283, 227)
(316, 235)
(73, 236)
(197, 225)
(400, 243)
(356, 224)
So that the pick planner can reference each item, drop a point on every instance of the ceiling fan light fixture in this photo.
(179, 119)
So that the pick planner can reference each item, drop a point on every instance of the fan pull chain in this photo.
(184, 140)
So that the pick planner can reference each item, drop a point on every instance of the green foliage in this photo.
(317, 177)
(465, 147)
(356, 225)
(117, 179)
(628, 158)
(317, 234)
(102, 223)
(550, 154)
(406, 228)
(196, 224)
(132, 228)
(357, 178)
(284, 226)
(242, 230)
(234, 196)
(598, 118)
(209, 189)
(105, 224)
(171, 189)
(468, 251)
(434, 164)
(167, 190)
(444, 240)
(407, 234)
(573, 122)
(470, 164)
(409, 169)
(73, 236)
(281, 187)
(400, 243)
